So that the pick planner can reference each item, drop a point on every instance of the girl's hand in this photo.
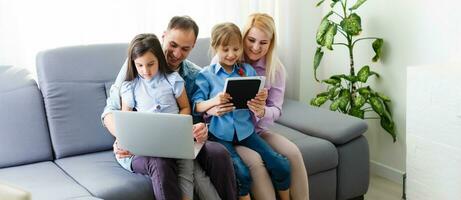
(221, 98)
(119, 152)
(221, 109)
(258, 104)
(200, 132)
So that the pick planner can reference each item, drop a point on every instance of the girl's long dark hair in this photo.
(140, 45)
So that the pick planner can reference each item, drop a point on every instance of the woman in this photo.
(259, 39)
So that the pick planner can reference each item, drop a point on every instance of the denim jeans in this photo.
(277, 165)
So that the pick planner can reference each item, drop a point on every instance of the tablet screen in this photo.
(242, 90)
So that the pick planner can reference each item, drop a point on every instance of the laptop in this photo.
(156, 134)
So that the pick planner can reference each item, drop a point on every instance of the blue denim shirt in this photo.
(187, 70)
(210, 82)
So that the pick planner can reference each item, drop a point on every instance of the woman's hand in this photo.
(200, 132)
(258, 104)
(119, 152)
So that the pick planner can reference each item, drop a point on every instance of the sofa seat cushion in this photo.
(319, 155)
(43, 180)
(103, 177)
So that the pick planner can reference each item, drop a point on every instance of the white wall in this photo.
(434, 150)
(415, 32)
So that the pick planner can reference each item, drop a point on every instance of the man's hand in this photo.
(258, 104)
(200, 132)
(119, 152)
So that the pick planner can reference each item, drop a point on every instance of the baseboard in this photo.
(387, 172)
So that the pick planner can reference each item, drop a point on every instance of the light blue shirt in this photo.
(155, 95)
(210, 82)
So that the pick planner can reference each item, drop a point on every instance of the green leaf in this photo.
(317, 58)
(377, 47)
(359, 101)
(357, 4)
(363, 74)
(345, 93)
(377, 105)
(383, 97)
(318, 101)
(335, 105)
(319, 3)
(352, 24)
(339, 76)
(350, 78)
(374, 73)
(323, 28)
(389, 125)
(364, 91)
(356, 112)
(330, 36)
(331, 81)
(323, 94)
(333, 92)
(344, 101)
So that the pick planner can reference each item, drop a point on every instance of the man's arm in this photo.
(113, 101)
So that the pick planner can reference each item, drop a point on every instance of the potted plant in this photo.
(349, 93)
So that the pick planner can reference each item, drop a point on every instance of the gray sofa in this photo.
(54, 146)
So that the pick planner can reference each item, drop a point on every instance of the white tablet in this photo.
(243, 89)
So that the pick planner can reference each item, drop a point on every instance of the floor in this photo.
(383, 189)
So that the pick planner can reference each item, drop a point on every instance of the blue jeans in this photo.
(277, 165)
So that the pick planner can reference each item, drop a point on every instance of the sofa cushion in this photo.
(73, 81)
(103, 177)
(23, 128)
(73, 111)
(318, 122)
(319, 154)
(44, 181)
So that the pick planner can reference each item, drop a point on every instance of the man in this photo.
(178, 41)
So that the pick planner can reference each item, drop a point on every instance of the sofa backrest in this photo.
(24, 136)
(201, 54)
(74, 82)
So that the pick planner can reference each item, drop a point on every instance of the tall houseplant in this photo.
(349, 93)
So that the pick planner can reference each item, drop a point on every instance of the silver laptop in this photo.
(156, 134)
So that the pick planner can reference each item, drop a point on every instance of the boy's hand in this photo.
(258, 104)
(221, 98)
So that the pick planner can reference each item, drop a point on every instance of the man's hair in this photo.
(185, 23)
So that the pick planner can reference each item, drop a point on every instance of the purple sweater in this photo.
(276, 92)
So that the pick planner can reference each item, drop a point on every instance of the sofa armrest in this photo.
(318, 122)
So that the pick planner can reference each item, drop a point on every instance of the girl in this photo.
(150, 86)
(235, 127)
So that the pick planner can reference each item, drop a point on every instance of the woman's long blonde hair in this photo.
(266, 24)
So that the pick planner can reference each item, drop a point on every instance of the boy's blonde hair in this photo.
(265, 23)
(225, 33)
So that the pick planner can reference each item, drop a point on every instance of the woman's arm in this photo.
(183, 103)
